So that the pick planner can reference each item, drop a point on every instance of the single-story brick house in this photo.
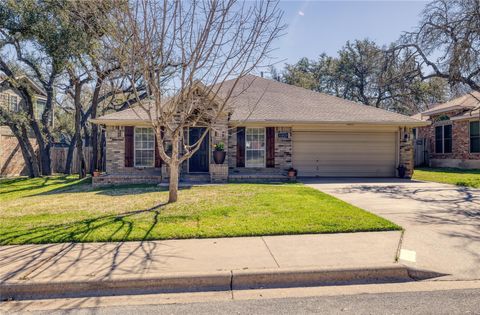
(453, 137)
(270, 127)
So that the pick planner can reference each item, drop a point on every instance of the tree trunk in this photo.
(31, 152)
(94, 165)
(78, 131)
(102, 158)
(30, 160)
(43, 149)
(174, 170)
(29, 163)
(173, 185)
(44, 139)
(82, 172)
(68, 163)
(86, 135)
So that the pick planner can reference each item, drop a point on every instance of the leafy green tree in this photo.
(46, 37)
(366, 73)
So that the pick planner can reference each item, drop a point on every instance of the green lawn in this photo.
(455, 176)
(63, 209)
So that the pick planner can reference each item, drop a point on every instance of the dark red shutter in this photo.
(158, 159)
(270, 146)
(240, 146)
(129, 146)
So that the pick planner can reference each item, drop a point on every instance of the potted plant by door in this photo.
(219, 153)
(292, 172)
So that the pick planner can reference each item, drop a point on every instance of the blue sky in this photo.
(325, 26)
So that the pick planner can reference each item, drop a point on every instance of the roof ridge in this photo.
(333, 97)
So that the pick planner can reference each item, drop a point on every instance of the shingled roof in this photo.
(467, 102)
(257, 100)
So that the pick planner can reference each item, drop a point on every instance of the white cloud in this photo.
(301, 13)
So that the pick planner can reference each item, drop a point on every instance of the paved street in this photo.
(442, 222)
(436, 302)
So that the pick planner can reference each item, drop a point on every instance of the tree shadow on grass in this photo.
(117, 190)
(24, 262)
(80, 231)
(24, 185)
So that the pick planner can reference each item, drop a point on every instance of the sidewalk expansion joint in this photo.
(399, 247)
(271, 254)
(231, 284)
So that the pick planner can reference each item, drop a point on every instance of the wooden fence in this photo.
(59, 159)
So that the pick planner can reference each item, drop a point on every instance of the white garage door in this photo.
(344, 154)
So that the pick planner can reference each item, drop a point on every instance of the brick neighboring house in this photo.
(11, 158)
(453, 138)
(269, 128)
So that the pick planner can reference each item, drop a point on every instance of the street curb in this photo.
(171, 282)
(195, 282)
(293, 277)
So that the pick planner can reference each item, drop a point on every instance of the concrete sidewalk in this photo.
(108, 260)
(31, 264)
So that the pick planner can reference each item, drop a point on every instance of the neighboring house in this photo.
(270, 127)
(11, 158)
(453, 138)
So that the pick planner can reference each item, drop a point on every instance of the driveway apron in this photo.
(441, 222)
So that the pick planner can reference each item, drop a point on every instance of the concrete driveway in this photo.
(441, 222)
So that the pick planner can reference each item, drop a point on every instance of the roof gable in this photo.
(467, 102)
(38, 90)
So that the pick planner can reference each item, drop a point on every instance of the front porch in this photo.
(218, 173)
(122, 168)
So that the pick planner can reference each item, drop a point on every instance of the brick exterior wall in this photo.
(115, 155)
(117, 180)
(460, 156)
(406, 157)
(221, 173)
(283, 153)
(218, 173)
(11, 158)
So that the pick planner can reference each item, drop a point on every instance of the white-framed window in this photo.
(4, 100)
(255, 147)
(144, 147)
(40, 108)
(443, 139)
(13, 103)
(9, 101)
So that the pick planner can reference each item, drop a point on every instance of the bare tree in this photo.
(370, 74)
(447, 41)
(185, 51)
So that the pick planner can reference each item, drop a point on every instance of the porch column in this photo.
(219, 134)
(406, 157)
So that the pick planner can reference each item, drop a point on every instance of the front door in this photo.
(198, 163)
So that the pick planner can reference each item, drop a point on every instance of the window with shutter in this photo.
(240, 146)
(129, 146)
(475, 137)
